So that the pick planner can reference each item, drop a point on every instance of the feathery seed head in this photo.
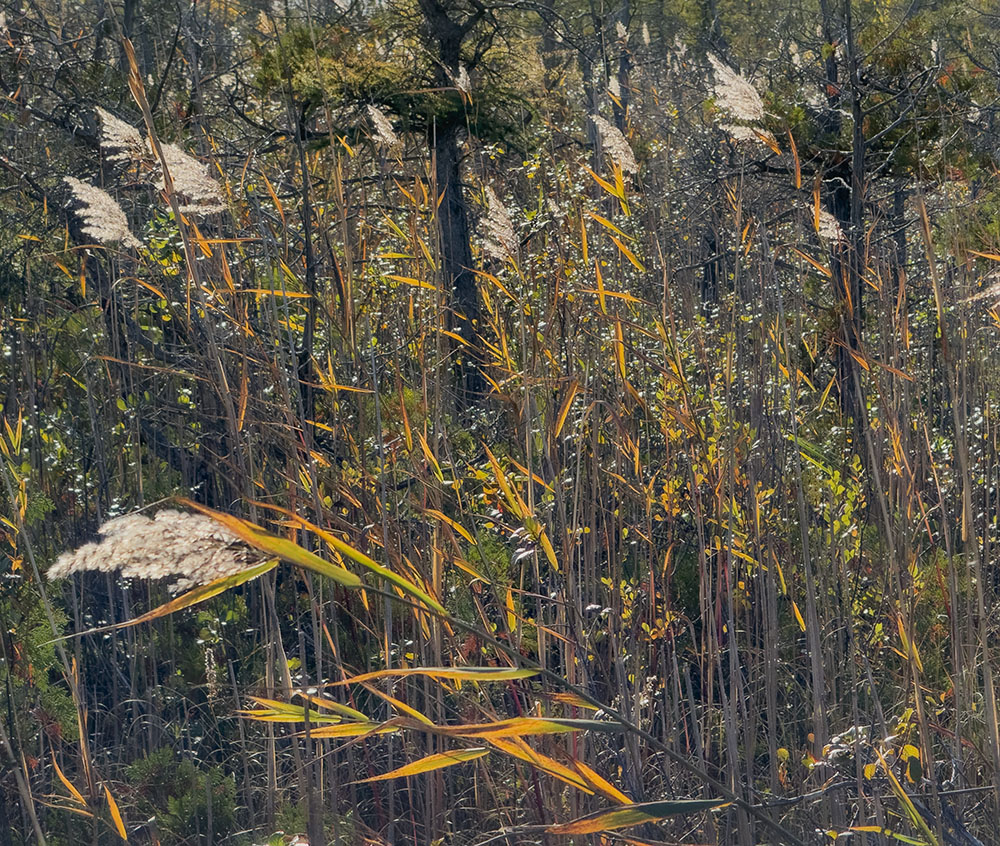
(499, 238)
(385, 137)
(120, 141)
(191, 180)
(615, 145)
(192, 549)
(734, 94)
(103, 218)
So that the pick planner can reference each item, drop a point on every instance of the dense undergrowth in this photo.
(685, 416)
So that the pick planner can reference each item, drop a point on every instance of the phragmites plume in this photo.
(828, 227)
(191, 180)
(499, 238)
(385, 137)
(120, 141)
(645, 34)
(614, 86)
(103, 218)
(734, 94)
(615, 145)
(191, 549)
(621, 31)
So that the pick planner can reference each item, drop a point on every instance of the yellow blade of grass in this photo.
(473, 674)
(283, 548)
(517, 748)
(116, 815)
(359, 557)
(77, 796)
(528, 726)
(194, 596)
(645, 812)
(430, 763)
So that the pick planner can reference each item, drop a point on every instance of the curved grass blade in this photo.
(359, 557)
(192, 597)
(431, 762)
(525, 726)
(517, 748)
(273, 545)
(116, 815)
(474, 674)
(273, 711)
(630, 815)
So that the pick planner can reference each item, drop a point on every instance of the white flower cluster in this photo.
(191, 180)
(192, 549)
(828, 227)
(734, 94)
(385, 137)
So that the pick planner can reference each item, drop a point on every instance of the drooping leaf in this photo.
(282, 548)
(526, 726)
(517, 748)
(365, 561)
(431, 762)
(630, 815)
(474, 674)
(201, 593)
(273, 711)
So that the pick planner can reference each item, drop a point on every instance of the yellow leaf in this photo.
(600, 784)
(198, 594)
(116, 815)
(798, 616)
(431, 762)
(645, 812)
(359, 557)
(473, 674)
(68, 784)
(444, 518)
(517, 748)
(628, 254)
(283, 548)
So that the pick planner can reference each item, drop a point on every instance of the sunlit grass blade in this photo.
(517, 748)
(645, 812)
(359, 557)
(273, 711)
(116, 815)
(527, 726)
(281, 547)
(473, 674)
(430, 763)
(201, 593)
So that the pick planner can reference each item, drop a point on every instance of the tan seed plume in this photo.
(615, 145)
(191, 549)
(103, 218)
